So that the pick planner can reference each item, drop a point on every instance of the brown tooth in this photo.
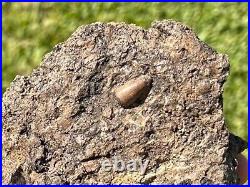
(133, 90)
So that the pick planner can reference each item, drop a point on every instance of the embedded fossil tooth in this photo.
(133, 90)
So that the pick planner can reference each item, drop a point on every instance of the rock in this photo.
(62, 122)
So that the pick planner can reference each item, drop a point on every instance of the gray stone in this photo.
(61, 122)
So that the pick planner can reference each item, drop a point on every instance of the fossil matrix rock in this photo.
(61, 122)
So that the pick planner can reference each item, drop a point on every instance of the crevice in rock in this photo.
(18, 177)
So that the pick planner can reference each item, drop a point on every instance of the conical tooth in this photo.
(133, 90)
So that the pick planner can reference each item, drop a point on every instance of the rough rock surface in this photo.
(61, 122)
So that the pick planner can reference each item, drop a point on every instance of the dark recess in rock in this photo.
(62, 121)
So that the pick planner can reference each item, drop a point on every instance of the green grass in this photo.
(31, 29)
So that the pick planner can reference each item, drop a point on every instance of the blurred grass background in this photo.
(31, 29)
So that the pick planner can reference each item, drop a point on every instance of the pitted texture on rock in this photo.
(63, 120)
